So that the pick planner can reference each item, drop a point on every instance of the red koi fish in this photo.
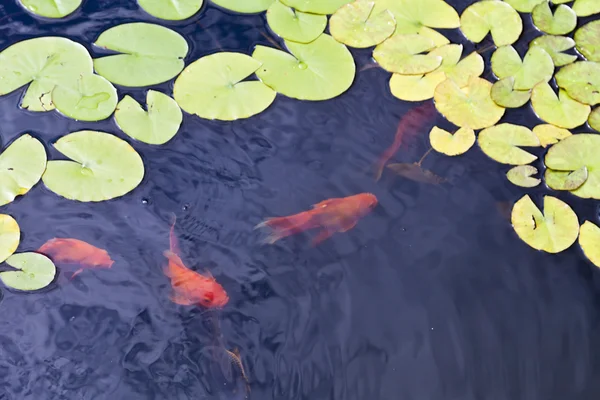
(333, 215)
(410, 124)
(74, 251)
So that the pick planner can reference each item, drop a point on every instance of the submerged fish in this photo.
(75, 251)
(416, 173)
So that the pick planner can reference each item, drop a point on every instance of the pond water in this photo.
(432, 295)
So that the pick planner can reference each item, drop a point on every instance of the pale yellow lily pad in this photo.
(555, 46)
(560, 110)
(549, 134)
(355, 25)
(411, 16)
(563, 21)
(500, 143)
(524, 6)
(10, 236)
(504, 95)
(536, 67)
(589, 240)
(401, 54)
(594, 119)
(581, 80)
(585, 8)
(587, 39)
(522, 175)
(566, 180)
(452, 144)
(491, 16)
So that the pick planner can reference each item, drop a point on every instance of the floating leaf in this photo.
(560, 110)
(89, 98)
(10, 236)
(244, 6)
(562, 22)
(522, 175)
(355, 24)
(412, 16)
(152, 54)
(536, 67)
(104, 167)
(594, 119)
(316, 6)
(451, 144)
(35, 271)
(566, 180)
(21, 167)
(553, 231)
(549, 134)
(554, 46)
(585, 8)
(156, 126)
(491, 16)
(51, 8)
(470, 106)
(45, 62)
(172, 10)
(589, 240)
(294, 25)
(319, 70)
(581, 80)
(504, 95)
(400, 54)
(500, 143)
(587, 39)
(212, 87)
(414, 172)
(524, 6)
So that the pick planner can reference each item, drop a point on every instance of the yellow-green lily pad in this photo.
(89, 98)
(553, 231)
(585, 8)
(594, 119)
(51, 8)
(401, 54)
(589, 240)
(412, 16)
(563, 21)
(554, 46)
(504, 94)
(566, 180)
(524, 6)
(355, 25)
(549, 134)
(452, 144)
(21, 167)
(293, 25)
(581, 80)
(587, 40)
(171, 10)
(491, 16)
(244, 6)
(158, 125)
(560, 110)
(536, 67)
(500, 143)
(316, 6)
(10, 236)
(103, 167)
(522, 175)
(34, 271)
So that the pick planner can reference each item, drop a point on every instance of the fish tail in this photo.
(285, 226)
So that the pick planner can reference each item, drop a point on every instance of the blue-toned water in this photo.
(432, 296)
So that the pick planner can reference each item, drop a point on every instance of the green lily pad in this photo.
(522, 175)
(504, 94)
(355, 24)
(294, 25)
(104, 167)
(589, 240)
(244, 6)
(316, 6)
(524, 6)
(553, 231)
(10, 236)
(554, 46)
(319, 70)
(451, 144)
(594, 119)
(89, 98)
(400, 54)
(45, 62)
(585, 8)
(581, 80)
(563, 21)
(560, 110)
(35, 271)
(416, 173)
(549, 134)
(171, 10)
(536, 67)
(587, 40)
(51, 8)
(500, 143)
(412, 16)
(151, 54)
(470, 106)
(212, 87)
(158, 125)
(21, 167)
(574, 152)
(491, 16)
(566, 180)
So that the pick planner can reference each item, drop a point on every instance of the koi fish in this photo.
(416, 173)
(75, 251)
(410, 123)
(332, 215)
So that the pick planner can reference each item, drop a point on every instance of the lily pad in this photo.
(470, 106)
(524, 6)
(212, 87)
(415, 172)
(581, 80)
(412, 16)
(400, 54)
(549, 134)
(566, 180)
(21, 167)
(560, 110)
(585, 8)
(244, 6)
(45, 62)
(355, 24)
(563, 21)
(504, 94)
(452, 144)
(500, 143)
(158, 125)
(51, 8)
(151, 54)
(316, 6)
(172, 10)
(554, 46)
(320, 70)
(589, 240)
(10, 236)
(553, 231)
(89, 98)
(103, 167)
(594, 119)
(522, 175)
(35, 271)
(587, 40)
(491, 16)
(536, 67)
(294, 25)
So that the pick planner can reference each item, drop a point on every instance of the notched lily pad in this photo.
(500, 143)
(51, 8)
(581, 80)
(355, 25)
(524, 6)
(35, 271)
(560, 110)
(316, 6)
(452, 144)
(594, 119)
(555, 46)
(244, 6)
(585, 8)
(522, 175)
(563, 21)
(587, 40)
(89, 98)
(172, 10)
(401, 54)
(295, 25)
(491, 16)
(566, 180)
(10, 236)
(589, 240)
(549, 134)
(504, 94)
(415, 172)
(412, 16)
(536, 67)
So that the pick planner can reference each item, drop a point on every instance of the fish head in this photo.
(213, 295)
(366, 202)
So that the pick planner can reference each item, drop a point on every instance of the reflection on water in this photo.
(432, 296)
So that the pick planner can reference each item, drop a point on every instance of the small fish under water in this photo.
(75, 251)
(416, 173)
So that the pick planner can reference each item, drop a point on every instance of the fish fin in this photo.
(173, 241)
(379, 169)
(322, 236)
(180, 299)
(174, 258)
(286, 226)
(80, 270)
(347, 226)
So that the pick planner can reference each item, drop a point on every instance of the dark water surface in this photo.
(432, 296)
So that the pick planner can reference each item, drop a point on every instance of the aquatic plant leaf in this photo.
(355, 25)
(244, 6)
(158, 125)
(585, 8)
(172, 10)
(524, 6)
(21, 167)
(581, 80)
(566, 180)
(10, 236)
(400, 54)
(51, 8)
(75, 251)
(320, 70)
(554, 46)
(536, 67)
(316, 6)
(35, 271)
(452, 144)
(415, 172)
(563, 21)
(522, 175)
(491, 16)
(294, 25)
(470, 106)
(553, 231)
(212, 87)
(561, 110)
(413, 15)
(594, 119)
(589, 240)
(549, 134)
(504, 94)
(151, 54)
(574, 152)
(103, 167)
(44, 62)
(500, 143)
(587, 40)
(89, 98)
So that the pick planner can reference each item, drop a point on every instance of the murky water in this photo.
(432, 296)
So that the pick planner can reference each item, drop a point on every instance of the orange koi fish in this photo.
(410, 124)
(333, 215)
(74, 251)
